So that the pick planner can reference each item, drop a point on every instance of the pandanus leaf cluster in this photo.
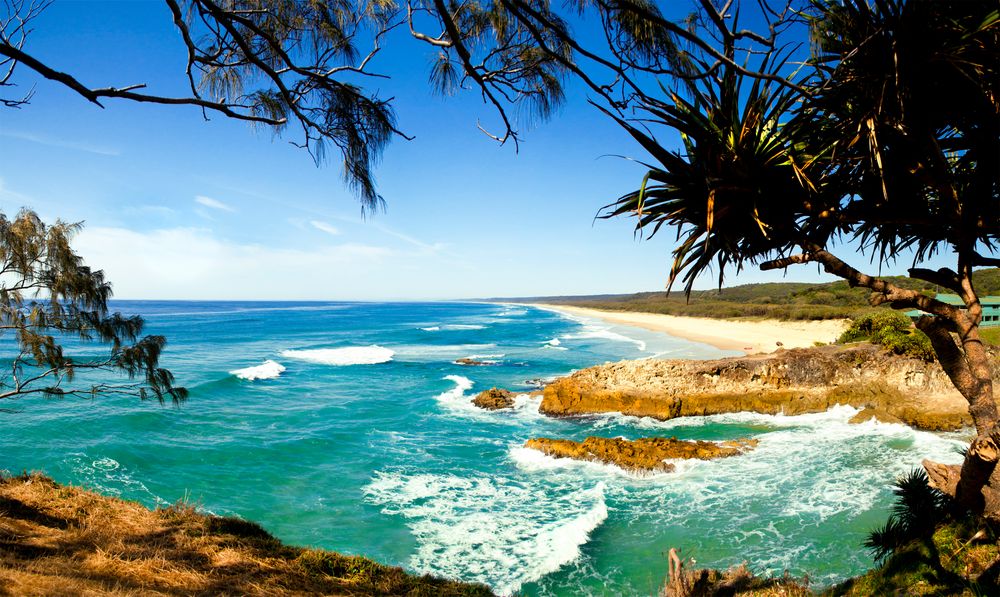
(890, 137)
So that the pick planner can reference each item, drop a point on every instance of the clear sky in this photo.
(179, 208)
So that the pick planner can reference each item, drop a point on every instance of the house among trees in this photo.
(991, 308)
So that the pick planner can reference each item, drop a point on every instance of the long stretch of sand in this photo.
(749, 336)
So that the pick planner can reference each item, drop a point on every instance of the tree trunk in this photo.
(976, 483)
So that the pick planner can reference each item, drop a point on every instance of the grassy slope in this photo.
(784, 300)
(951, 562)
(59, 540)
(954, 561)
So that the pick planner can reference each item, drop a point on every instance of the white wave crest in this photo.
(489, 529)
(351, 355)
(554, 342)
(456, 402)
(433, 328)
(267, 370)
(456, 396)
(438, 352)
(592, 331)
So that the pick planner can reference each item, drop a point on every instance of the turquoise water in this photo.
(366, 443)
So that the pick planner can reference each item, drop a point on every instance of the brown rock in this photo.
(796, 381)
(472, 362)
(642, 455)
(494, 399)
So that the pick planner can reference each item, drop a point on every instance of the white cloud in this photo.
(327, 228)
(52, 142)
(213, 203)
(191, 263)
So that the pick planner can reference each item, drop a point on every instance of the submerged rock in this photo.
(494, 399)
(473, 362)
(643, 455)
(791, 382)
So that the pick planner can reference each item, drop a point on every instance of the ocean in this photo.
(348, 426)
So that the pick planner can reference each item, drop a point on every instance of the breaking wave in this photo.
(267, 370)
(351, 355)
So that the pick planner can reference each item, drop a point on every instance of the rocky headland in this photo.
(646, 454)
(885, 386)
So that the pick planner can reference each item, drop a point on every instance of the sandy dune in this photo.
(748, 336)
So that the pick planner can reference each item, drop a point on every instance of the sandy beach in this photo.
(749, 336)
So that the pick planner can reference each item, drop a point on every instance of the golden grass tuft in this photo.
(60, 540)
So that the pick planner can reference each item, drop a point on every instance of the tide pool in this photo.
(348, 426)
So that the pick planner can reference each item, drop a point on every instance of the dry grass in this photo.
(737, 581)
(58, 540)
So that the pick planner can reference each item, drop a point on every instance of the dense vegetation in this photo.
(892, 330)
(929, 547)
(782, 300)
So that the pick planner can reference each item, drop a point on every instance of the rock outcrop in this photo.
(494, 399)
(792, 382)
(470, 362)
(646, 454)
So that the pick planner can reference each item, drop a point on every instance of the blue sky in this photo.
(179, 208)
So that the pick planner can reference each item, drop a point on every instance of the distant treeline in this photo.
(781, 300)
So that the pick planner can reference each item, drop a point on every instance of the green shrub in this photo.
(892, 330)
(918, 508)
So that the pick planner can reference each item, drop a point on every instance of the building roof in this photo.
(953, 299)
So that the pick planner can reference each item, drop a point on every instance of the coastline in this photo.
(750, 337)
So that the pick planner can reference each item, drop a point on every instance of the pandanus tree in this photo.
(889, 142)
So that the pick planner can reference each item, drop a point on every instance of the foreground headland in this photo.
(749, 336)
(62, 540)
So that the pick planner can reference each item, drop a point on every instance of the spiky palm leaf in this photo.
(918, 509)
(739, 191)
(911, 100)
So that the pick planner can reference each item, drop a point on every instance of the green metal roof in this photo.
(953, 299)
(991, 308)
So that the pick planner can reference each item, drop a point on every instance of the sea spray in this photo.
(495, 530)
(267, 370)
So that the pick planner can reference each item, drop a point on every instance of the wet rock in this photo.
(645, 454)
(494, 399)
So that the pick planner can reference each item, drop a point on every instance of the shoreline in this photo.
(750, 337)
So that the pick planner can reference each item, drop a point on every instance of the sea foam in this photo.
(108, 476)
(592, 332)
(267, 370)
(351, 355)
(809, 474)
(455, 401)
(490, 529)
